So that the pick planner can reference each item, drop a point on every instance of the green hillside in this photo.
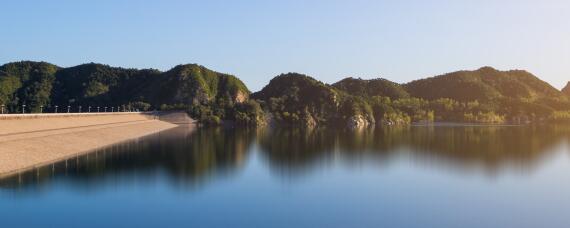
(372, 87)
(299, 99)
(26, 83)
(484, 84)
(102, 85)
(207, 94)
(485, 95)
(198, 85)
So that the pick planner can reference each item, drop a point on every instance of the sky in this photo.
(329, 39)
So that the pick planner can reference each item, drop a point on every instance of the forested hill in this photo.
(485, 95)
(298, 99)
(191, 86)
(483, 84)
(372, 87)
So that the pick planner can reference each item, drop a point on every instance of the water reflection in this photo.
(188, 157)
(185, 156)
(488, 148)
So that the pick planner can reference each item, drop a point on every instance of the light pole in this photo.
(41, 109)
(56, 108)
(68, 108)
(23, 109)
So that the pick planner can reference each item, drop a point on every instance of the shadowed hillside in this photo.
(298, 99)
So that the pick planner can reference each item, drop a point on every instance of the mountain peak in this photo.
(371, 87)
(485, 83)
(566, 89)
(487, 69)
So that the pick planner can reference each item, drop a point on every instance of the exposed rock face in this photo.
(240, 97)
(309, 121)
(358, 121)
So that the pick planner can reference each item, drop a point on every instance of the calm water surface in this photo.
(398, 177)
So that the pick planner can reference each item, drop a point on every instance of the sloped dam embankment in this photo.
(31, 140)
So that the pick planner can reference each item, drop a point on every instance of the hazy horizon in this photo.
(329, 40)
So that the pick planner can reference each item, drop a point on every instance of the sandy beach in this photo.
(31, 141)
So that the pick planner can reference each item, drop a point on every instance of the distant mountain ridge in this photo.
(483, 84)
(372, 87)
(485, 95)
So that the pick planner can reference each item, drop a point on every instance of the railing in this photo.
(69, 112)
(69, 109)
(154, 114)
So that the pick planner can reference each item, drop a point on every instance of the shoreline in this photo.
(28, 143)
(465, 124)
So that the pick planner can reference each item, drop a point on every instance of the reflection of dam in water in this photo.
(186, 155)
(189, 156)
(31, 140)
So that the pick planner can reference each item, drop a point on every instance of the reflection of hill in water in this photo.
(190, 158)
(487, 148)
(185, 156)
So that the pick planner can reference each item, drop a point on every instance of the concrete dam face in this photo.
(32, 140)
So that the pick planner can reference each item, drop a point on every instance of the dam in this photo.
(28, 141)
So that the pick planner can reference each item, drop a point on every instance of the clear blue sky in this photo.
(329, 40)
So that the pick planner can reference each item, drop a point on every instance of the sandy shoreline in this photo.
(29, 143)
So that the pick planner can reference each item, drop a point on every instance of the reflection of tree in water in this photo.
(294, 151)
(189, 158)
(185, 156)
(487, 148)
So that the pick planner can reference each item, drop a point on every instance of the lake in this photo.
(418, 176)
